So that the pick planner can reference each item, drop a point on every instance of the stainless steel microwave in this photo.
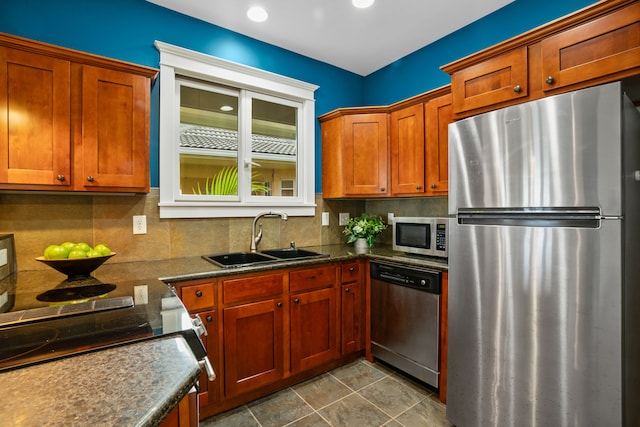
(421, 235)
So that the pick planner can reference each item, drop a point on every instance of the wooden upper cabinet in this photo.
(34, 120)
(605, 46)
(366, 153)
(595, 45)
(355, 154)
(72, 121)
(438, 114)
(497, 79)
(113, 145)
(406, 128)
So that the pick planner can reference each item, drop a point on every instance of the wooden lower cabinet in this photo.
(253, 345)
(185, 414)
(314, 329)
(269, 330)
(352, 308)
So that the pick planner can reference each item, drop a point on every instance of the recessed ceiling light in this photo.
(362, 4)
(226, 108)
(257, 14)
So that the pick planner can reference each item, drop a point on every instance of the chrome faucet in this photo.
(255, 239)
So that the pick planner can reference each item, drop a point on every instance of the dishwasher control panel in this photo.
(414, 277)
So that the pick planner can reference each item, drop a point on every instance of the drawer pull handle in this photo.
(550, 80)
(517, 89)
(198, 293)
(60, 177)
(297, 301)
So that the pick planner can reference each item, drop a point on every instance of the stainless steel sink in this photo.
(292, 253)
(245, 259)
(239, 259)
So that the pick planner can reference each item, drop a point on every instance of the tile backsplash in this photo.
(38, 220)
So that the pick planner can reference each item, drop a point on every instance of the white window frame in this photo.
(175, 62)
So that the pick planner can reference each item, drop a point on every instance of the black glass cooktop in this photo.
(39, 322)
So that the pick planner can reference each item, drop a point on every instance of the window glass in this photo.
(274, 147)
(208, 142)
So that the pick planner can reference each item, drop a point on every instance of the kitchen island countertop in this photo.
(137, 384)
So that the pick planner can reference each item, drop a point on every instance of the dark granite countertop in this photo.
(175, 270)
(136, 384)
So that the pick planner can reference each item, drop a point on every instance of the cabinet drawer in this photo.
(350, 272)
(312, 278)
(604, 46)
(252, 288)
(498, 79)
(198, 297)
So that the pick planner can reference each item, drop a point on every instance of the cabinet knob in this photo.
(209, 318)
(550, 80)
(60, 177)
(198, 293)
(347, 290)
(90, 178)
(279, 305)
(433, 186)
(418, 187)
(517, 89)
(383, 189)
(352, 269)
(297, 301)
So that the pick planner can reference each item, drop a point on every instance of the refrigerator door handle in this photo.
(540, 217)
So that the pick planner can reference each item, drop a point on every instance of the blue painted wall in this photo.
(126, 30)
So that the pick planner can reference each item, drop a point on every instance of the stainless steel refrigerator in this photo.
(544, 263)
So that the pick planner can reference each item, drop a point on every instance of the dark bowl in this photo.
(76, 268)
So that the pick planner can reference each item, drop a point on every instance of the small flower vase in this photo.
(361, 246)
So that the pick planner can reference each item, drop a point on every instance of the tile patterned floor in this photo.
(361, 394)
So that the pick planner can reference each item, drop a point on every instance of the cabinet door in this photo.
(604, 46)
(366, 155)
(314, 329)
(497, 79)
(407, 150)
(253, 345)
(352, 313)
(438, 115)
(35, 119)
(115, 130)
(209, 391)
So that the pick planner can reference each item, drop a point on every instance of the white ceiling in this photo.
(335, 32)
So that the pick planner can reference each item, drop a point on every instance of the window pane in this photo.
(274, 148)
(208, 142)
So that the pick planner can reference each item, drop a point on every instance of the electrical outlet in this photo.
(139, 224)
(140, 294)
(343, 219)
(325, 218)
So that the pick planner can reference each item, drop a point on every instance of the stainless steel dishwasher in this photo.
(405, 318)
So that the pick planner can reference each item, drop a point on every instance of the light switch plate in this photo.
(3, 257)
(325, 218)
(343, 218)
(139, 224)
(140, 294)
